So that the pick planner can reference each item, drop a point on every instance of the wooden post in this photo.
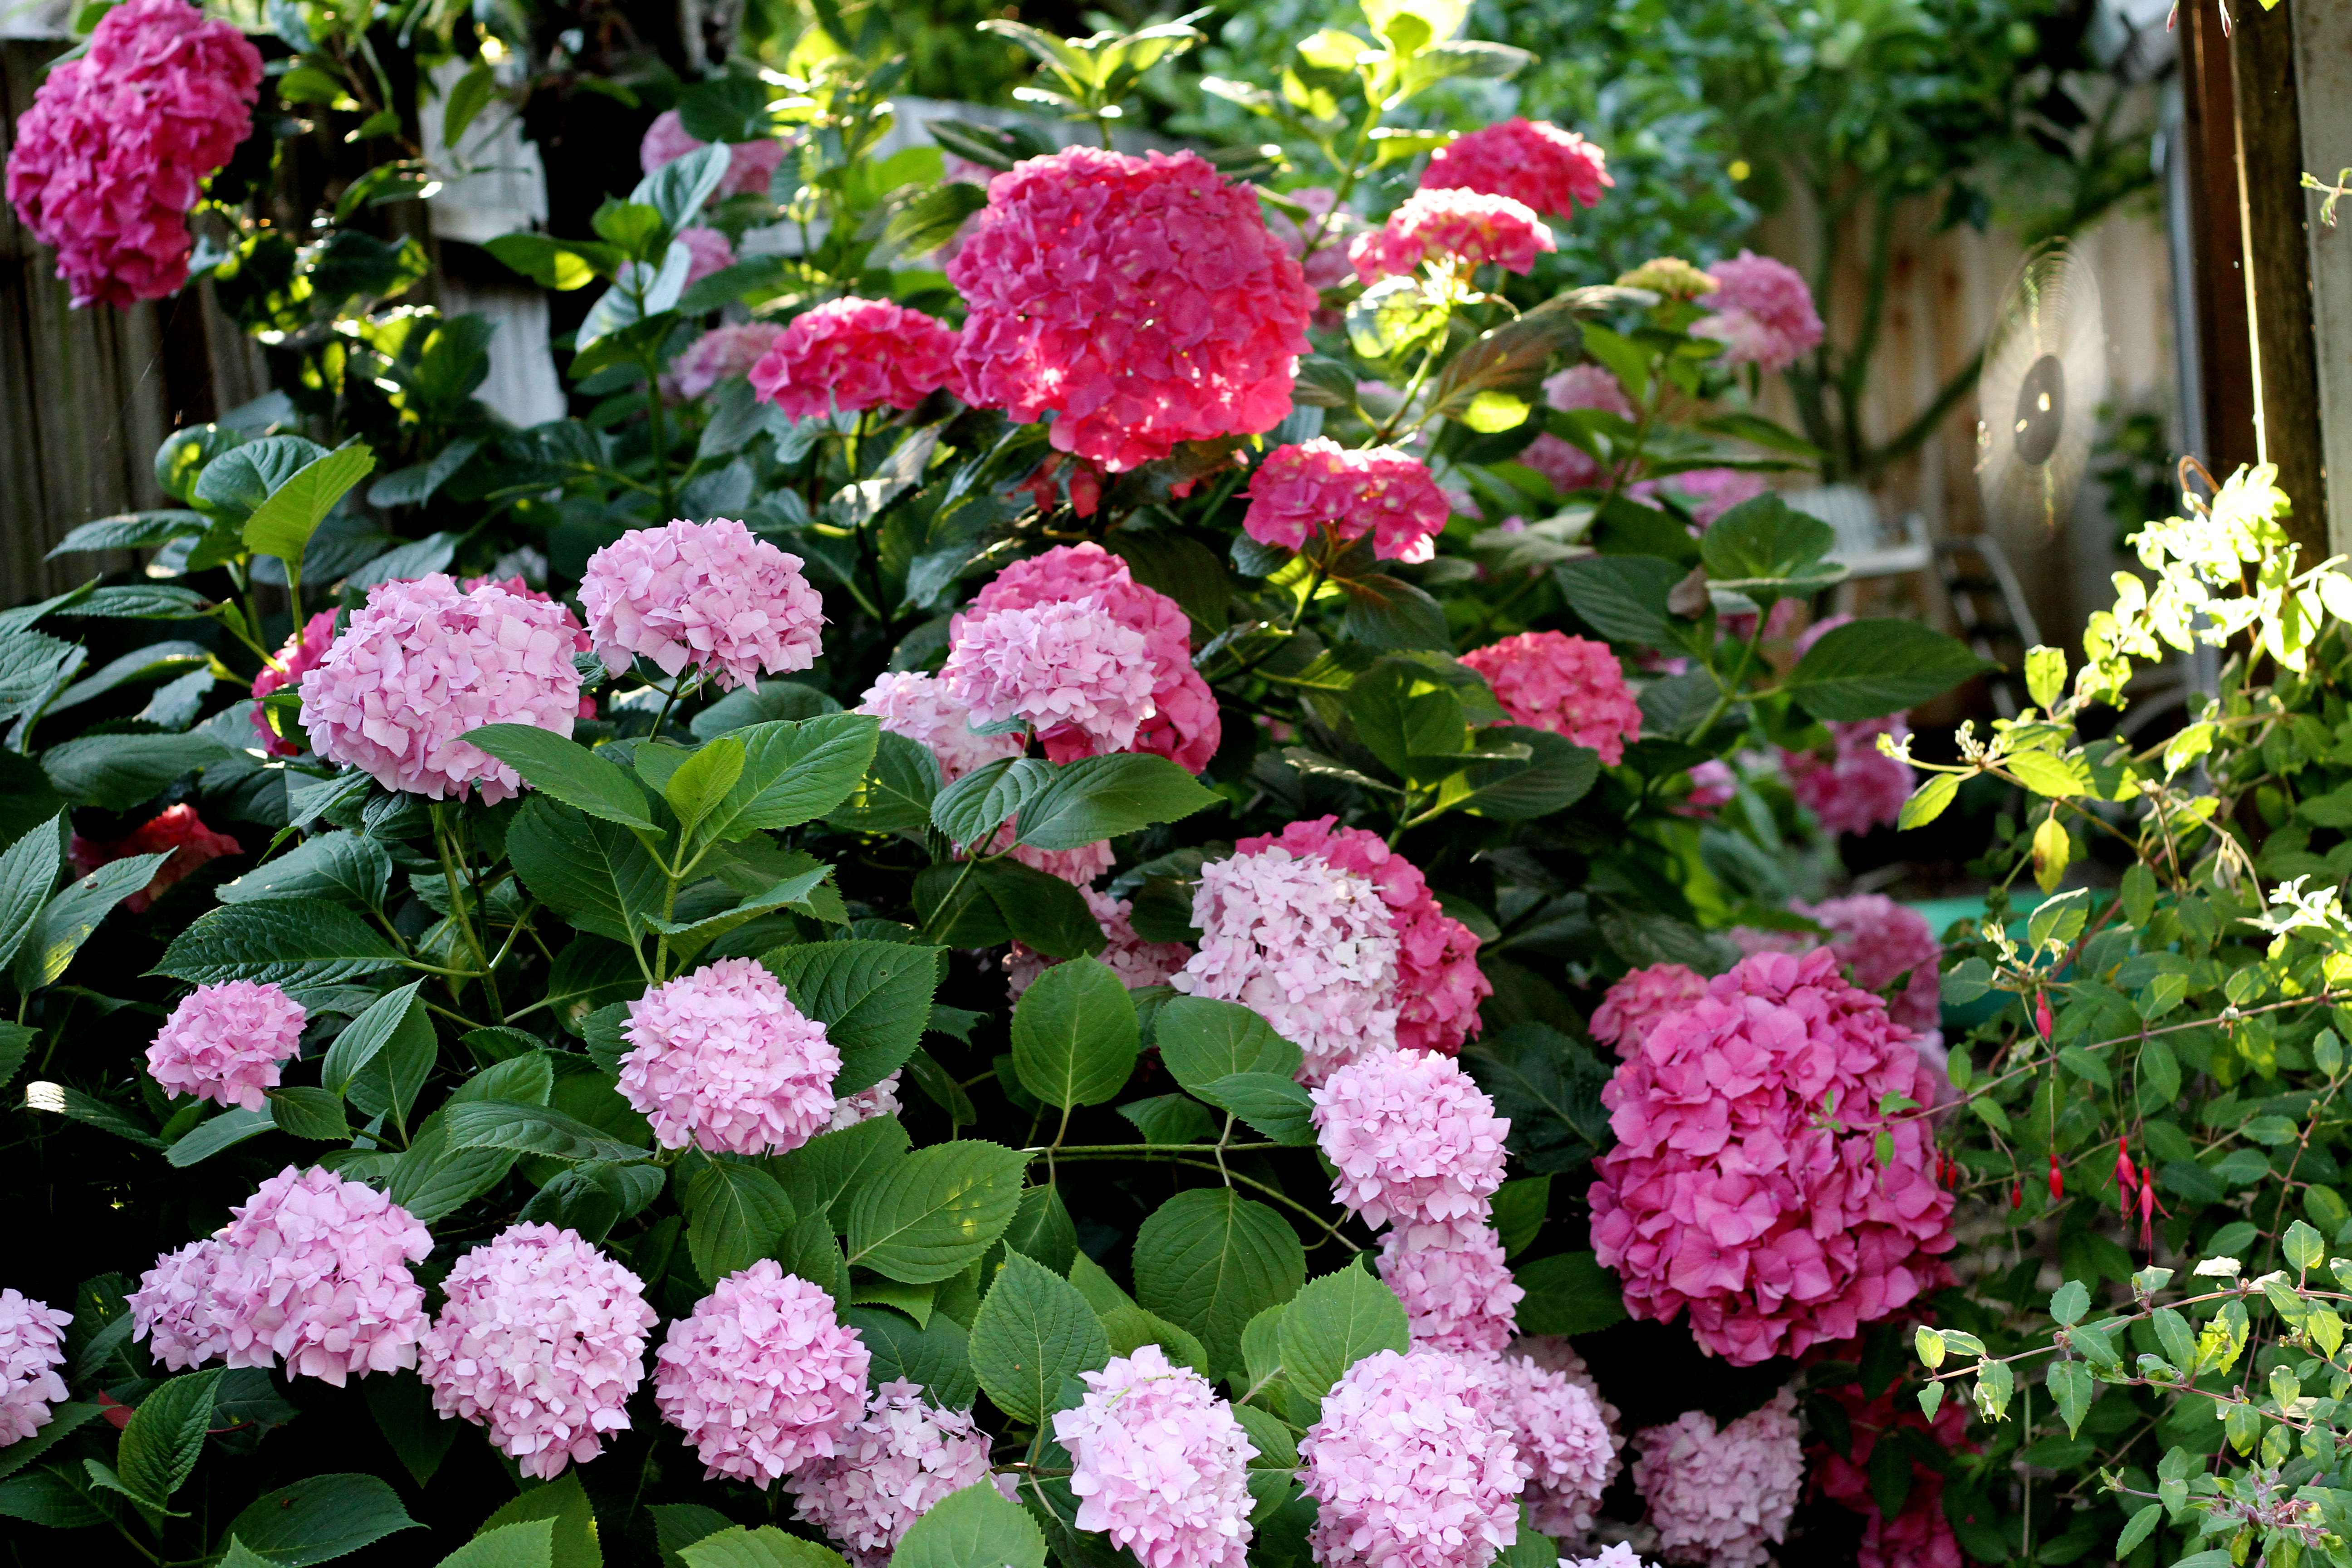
(2225, 347)
(2322, 43)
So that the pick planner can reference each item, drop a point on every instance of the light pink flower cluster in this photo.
(1630, 1009)
(888, 1470)
(173, 1307)
(1416, 1144)
(1732, 1191)
(1567, 466)
(1567, 1449)
(1530, 161)
(760, 1378)
(710, 596)
(1077, 867)
(224, 1043)
(542, 1340)
(855, 354)
(722, 354)
(1570, 686)
(1763, 314)
(1880, 940)
(1069, 665)
(1459, 1293)
(302, 653)
(720, 1058)
(708, 251)
(119, 142)
(882, 1100)
(1159, 1464)
(1722, 1498)
(422, 663)
(1140, 299)
(1319, 487)
(1136, 962)
(1707, 492)
(1712, 785)
(749, 163)
(1409, 1467)
(1554, 1352)
(1617, 1554)
(917, 706)
(31, 1349)
(1854, 789)
(1466, 227)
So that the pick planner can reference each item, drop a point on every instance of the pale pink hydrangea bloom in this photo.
(710, 596)
(32, 1347)
(749, 163)
(916, 705)
(1730, 1193)
(226, 1043)
(1409, 1467)
(1530, 161)
(1159, 1464)
(1707, 492)
(1067, 664)
(720, 1058)
(1555, 1353)
(855, 354)
(708, 251)
(760, 1378)
(888, 1470)
(1636, 1004)
(1140, 299)
(1319, 487)
(1570, 686)
(542, 1340)
(1723, 1498)
(1880, 940)
(1327, 268)
(422, 663)
(1615, 1555)
(1471, 228)
(722, 354)
(1416, 1144)
(1567, 1448)
(313, 1270)
(1569, 467)
(1763, 314)
(1136, 962)
(882, 1100)
(1457, 1296)
(302, 651)
(174, 1309)
(1854, 789)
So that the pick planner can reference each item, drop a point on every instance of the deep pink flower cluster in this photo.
(708, 595)
(1465, 227)
(1159, 1464)
(1566, 1450)
(1409, 1467)
(760, 1378)
(1918, 1536)
(708, 251)
(1415, 1142)
(855, 354)
(1854, 789)
(720, 1058)
(882, 1100)
(1077, 867)
(118, 144)
(917, 706)
(722, 354)
(542, 1340)
(173, 1307)
(300, 655)
(1630, 1009)
(1880, 940)
(1136, 962)
(1732, 1192)
(225, 1042)
(888, 1470)
(749, 163)
(1570, 686)
(1567, 466)
(177, 832)
(1722, 1498)
(1068, 665)
(1763, 314)
(1141, 301)
(32, 1347)
(1458, 1294)
(1530, 161)
(1318, 486)
(422, 663)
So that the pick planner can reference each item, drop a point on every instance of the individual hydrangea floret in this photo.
(722, 354)
(1458, 1296)
(1763, 314)
(542, 1340)
(1137, 962)
(1722, 1497)
(882, 1100)
(296, 659)
(1632, 1007)
(1880, 940)
(174, 1310)
(1321, 487)
(749, 163)
(1158, 1463)
(1463, 227)
(1415, 1144)
(1141, 300)
(720, 1058)
(888, 1470)
(177, 833)
(1570, 686)
(313, 1271)
(850, 355)
(226, 1043)
(710, 597)
(1530, 161)
(917, 706)
(1409, 1468)
(1856, 788)
(1567, 466)
(1078, 866)
(1070, 664)
(760, 1377)
(32, 1347)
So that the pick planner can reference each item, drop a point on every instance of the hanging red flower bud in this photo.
(2148, 1210)
(2057, 1178)
(2041, 1014)
(2017, 1194)
(2125, 1176)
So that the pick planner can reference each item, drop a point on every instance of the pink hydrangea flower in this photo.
(313, 1270)
(1069, 664)
(1920, 1536)
(708, 251)
(224, 1043)
(1707, 492)
(1459, 1296)
(1880, 940)
(542, 1340)
(917, 706)
(722, 354)
(1136, 962)
(1416, 1144)
(177, 832)
(119, 142)
(1567, 466)
(855, 354)
(1630, 1009)
(1327, 268)
(1077, 867)
(1855, 789)
(1409, 1468)
(32, 1347)
(760, 1378)
(888, 1470)
(1729, 1192)
(749, 163)
(174, 1309)
(422, 663)
(1530, 161)
(882, 1100)
(722, 1059)
(1567, 1448)
(1470, 228)
(1712, 785)
(1555, 1353)
(1763, 314)
(1570, 686)
(1140, 299)
(1318, 487)
(300, 655)
(1159, 1464)
(1723, 1498)
(711, 595)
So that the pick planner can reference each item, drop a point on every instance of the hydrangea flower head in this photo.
(1555, 1353)
(300, 655)
(710, 596)
(1763, 312)
(1918, 1536)
(1856, 788)
(1567, 466)
(720, 1058)
(855, 354)
(1530, 161)
(760, 1377)
(1408, 1467)
(1632, 1007)
(174, 1309)
(722, 354)
(1617, 1554)
(1136, 962)
(1708, 493)
(1458, 1295)
(542, 1340)
(1318, 486)
(1880, 940)
(1069, 664)
(888, 1470)
(224, 1043)
(1712, 785)
(1723, 1498)
(1566, 1445)
(1158, 1463)
(749, 163)
(882, 1100)
(313, 1270)
(708, 251)
(1140, 299)
(1570, 686)
(32, 1347)
(1465, 227)
(916, 705)
(177, 832)
(1416, 1144)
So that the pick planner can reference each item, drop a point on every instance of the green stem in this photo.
(1346, 176)
(1727, 692)
(657, 431)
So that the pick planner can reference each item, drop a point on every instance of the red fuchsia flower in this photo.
(722, 354)
(2148, 1210)
(2057, 1179)
(32, 1348)
(1470, 228)
(1569, 467)
(2126, 1177)
(855, 354)
(1318, 486)
(708, 251)
(1630, 1009)
(117, 144)
(1530, 161)
(1918, 1536)
(2041, 1014)
(749, 163)
(1763, 314)
(1570, 686)
(1723, 1497)
(713, 596)
(302, 653)
(1141, 300)
(1856, 788)
(226, 1043)
(178, 831)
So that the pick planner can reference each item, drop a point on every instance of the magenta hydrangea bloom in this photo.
(174, 1309)
(1416, 1144)
(1567, 466)
(1136, 962)
(422, 663)
(749, 163)
(313, 1270)
(1158, 1463)
(119, 142)
(888, 1470)
(1470, 228)
(1067, 665)
(1763, 314)
(1635, 1005)
(760, 1378)
(1723, 1498)
(32, 1347)
(917, 706)
(722, 354)
(1141, 301)
(855, 354)
(1730, 1193)
(1409, 1467)
(1880, 940)
(712, 596)
(225, 1042)
(720, 1058)
(297, 659)
(1567, 1447)
(1457, 1296)
(882, 1100)
(1530, 161)
(1855, 789)
(1570, 686)
(1318, 486)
